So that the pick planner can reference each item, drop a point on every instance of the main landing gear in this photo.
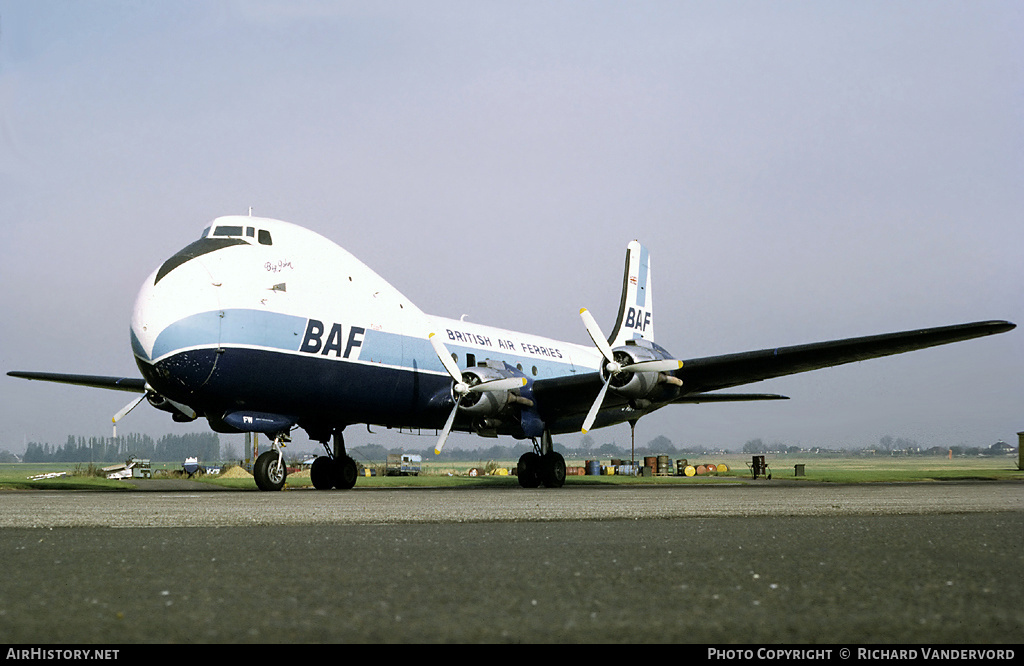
(542, 466)
(335, 470)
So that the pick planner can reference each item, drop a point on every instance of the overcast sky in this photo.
(801, 171)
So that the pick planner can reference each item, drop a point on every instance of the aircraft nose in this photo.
(176, 315)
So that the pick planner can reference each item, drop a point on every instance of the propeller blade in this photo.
(498, 385)
(447, 429)
(596, 335)
(446, 358)
(184, 409)
(596, 407)
(127, 408)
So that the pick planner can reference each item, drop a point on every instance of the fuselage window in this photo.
(264, 237)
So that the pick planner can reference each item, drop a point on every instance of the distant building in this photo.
(1001, 448)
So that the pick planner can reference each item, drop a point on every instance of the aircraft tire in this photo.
(345, 473)
(321, 473)
(265, 472)
(528, 470)
(552, 470)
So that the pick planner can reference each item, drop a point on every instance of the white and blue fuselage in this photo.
(264, 317)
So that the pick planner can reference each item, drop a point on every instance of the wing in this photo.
(563, 401)
(129, 384)
(717, 372)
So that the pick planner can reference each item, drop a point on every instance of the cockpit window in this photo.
(196, 249)
(232, 231)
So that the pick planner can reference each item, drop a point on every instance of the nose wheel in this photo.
(270, 471)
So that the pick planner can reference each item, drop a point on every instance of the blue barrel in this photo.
(593, 468)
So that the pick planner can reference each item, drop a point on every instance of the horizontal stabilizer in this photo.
(129, 384)
(728, 397)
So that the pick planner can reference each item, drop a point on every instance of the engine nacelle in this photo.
(485, 403)
(634, 385)
(177, 411)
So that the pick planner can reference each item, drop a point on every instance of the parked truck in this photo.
(403, 464)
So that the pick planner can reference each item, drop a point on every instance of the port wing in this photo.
(717, 372)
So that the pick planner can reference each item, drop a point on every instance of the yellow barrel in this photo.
(690, 470)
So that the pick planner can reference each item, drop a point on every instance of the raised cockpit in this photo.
(213, 238)
(262, 236)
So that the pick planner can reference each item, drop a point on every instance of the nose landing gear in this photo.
(270, 471)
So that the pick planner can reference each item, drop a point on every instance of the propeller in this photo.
(461, 389)
(185, 410)
(124, 411)
(613, 367)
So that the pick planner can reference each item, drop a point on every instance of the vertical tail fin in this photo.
(636, 313)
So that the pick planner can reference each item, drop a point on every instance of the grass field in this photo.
(816, 470)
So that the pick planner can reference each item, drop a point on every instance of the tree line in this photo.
(169, 448)
(588, 449)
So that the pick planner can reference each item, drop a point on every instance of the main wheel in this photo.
(321, 473)
(552, 470)
(528, 470)
(345, 473)
(268, 475)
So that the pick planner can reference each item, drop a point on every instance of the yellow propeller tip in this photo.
(582, 310)
(437, 452)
